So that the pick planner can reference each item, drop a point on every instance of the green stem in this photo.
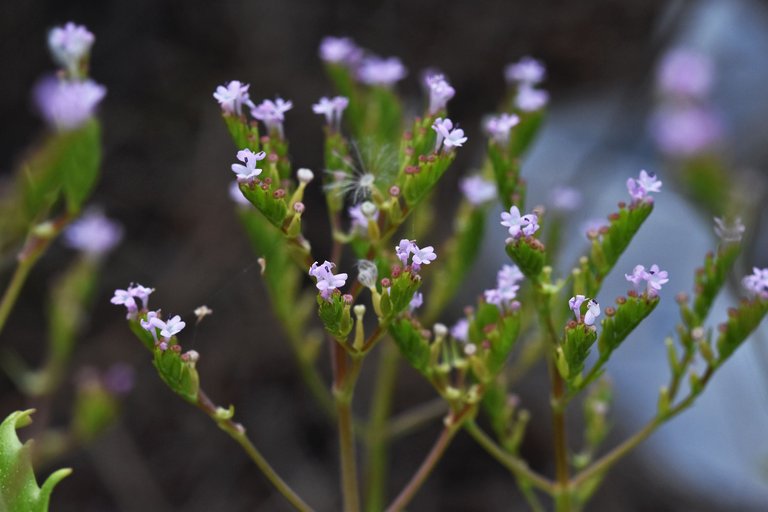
(377, 443)
(411, 419)
(237, 432)
(517, 466)
(14, 288)
(346, 372)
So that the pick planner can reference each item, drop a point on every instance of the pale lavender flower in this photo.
(93, 233)
(67, 105)
(440, 91)
(685, 73)
(416, 302)
(499, 127)
(359, 218)
(403, 250)
(565, 199)
(148, 323)
(519, 225)
(509, 275)
(593, 311)
(527, 71)
(685, 130)
(478, 190)
(248, 171)
(655, 278)
(575, 305)
(422, 256)
(237, 195)
(171, 328)
(141, 292)
(340, 50)
(70, 45)
(460, 330)
(729, 232)
(529, 99)
(332, 109)
(447, 136)
(272, 114)
(637, 278)
(507, 285)
(233, 96)
(326, 280)
(756, 283)
(642, 186)
(124, 297)
(381, 72)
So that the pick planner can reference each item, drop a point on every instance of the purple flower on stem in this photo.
(416, 302)
(593, 311)
(519, 225)
(170, 328)
(421, 256)
(756, 283)
(478, 190)
(332, 109)
(640, 188)
(460, 330)
(67, 105)
(440, 91)
(381, 72)
(507, 285)
(499, 127)
(529, 99)
(249, 158)
(729, 232)
(70, 45)
(403, 250)
(93, 233)
(685, 130)
(124, 297)
(148, 324)
(447, 136)
(272, 114)
(685, 73)
(655, 278)
(340, 50)
(326, 280)
(527, 71)
(233, 96)
(141, 292)
(637, 278)
(575, 305)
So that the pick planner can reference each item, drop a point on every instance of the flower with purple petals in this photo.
(357, 215)
(93, 233)
(685, 130)
(381, 72)
(519, 225)
(685, 73)
(233, 96)
(70, 45)
(499, 127)
(440, 91)
(272, 114)
(124, 297)
(248, 171)
(655, 278)
(416, 302)
(642, 186)
(529, 99)
(421, 256)
(148, 323)
(403, 250)
(574, 304)
(593, 311)
(507, 284)
(67, 105)
(340, 50)
(142, 293)
(327, 281)
(332, 109)
(478, 190)
(460, 330)
(637, 278)
(171, 328)
(756, 283)
(447, 136)
(527, 71)
(730, 232)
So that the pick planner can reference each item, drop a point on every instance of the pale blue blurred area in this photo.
(594, 141)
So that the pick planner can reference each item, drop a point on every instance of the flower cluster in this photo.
(460, 330)
(129, 296)
(525, 75)
(93, 233)
(327, 281)
(593, 309)
(249, 171)
(519, 225)
(332, 109)
(499, 127)
(233, 96)
(478, 190)
(642, 186)
(447, 136)
(756, 283)
(649, 280)
(168, 329)
(70, 45)
(507, 284)
(381, 72)
(66, 105)
(272, 114)
(407, 249)
(340, 50)
(440, 91)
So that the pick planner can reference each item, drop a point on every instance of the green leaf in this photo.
(529, 254)
(335, 315)
(18, 487)
(80, 163)
(742, 321)
(417, 181)
(181, 376)
(412, 344)
(262, 196)
(503, 341)
(710, 279)
(575, 350)
(401, 291)
(245, 135)
(629, 313)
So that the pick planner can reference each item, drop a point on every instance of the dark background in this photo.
(165, 174)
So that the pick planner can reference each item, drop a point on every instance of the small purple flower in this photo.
(93, 233)
(340, 50)
(440, 91)
(527, 71)
(233, 96)
(67, 105)
(248, 171)
(756, 283)
(593, 311)
(416, 302)
(575, 305)
(519, 225)
(507, 285)
(478, 190)
(499, 127)
(141, 292)
(637, 278)
(729, 232)
(642, 186)
(357, 215)
(508, 276)
(124, 297)
(685, 130)
(423, 256)
(272, 114)
(565, 199)
(403, 250)
(656, 277)
(148, 324)
(70, 45)
(447, 136)
(460, 330)
(529, 99)
(332, 109)
(170, 328)
(237, 195)
(381, 72)
(685, 73)
(326, 280)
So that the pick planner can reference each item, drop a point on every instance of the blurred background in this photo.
(165, 177)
